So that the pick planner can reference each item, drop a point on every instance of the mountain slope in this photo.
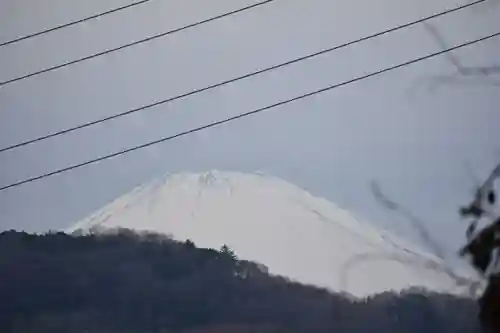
(270, 221)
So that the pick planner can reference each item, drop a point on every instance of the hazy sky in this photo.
(417, 142)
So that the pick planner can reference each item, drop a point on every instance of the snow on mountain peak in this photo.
(268, 220)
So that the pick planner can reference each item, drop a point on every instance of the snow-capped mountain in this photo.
(277, 224)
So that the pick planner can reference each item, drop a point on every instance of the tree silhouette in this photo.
(131, 282)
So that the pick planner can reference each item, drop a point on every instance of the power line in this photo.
(69, 24)
(125, 46)
(232, 80)
(246, 114)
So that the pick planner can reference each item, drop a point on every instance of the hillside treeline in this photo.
(147, 283)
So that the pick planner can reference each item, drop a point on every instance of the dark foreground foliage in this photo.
(130, 283)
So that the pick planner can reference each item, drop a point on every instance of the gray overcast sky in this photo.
(393, 128)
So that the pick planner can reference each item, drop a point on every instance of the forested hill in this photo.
(130, 283)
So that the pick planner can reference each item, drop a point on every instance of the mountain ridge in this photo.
(264, 219)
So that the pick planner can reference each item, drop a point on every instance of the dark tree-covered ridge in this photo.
(139, 283)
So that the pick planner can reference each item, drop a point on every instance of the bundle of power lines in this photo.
(212, 86)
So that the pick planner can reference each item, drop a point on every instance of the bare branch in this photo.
(419, 226)
(414, 221)
(488, 75)
(442, 43)
(472, 285)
